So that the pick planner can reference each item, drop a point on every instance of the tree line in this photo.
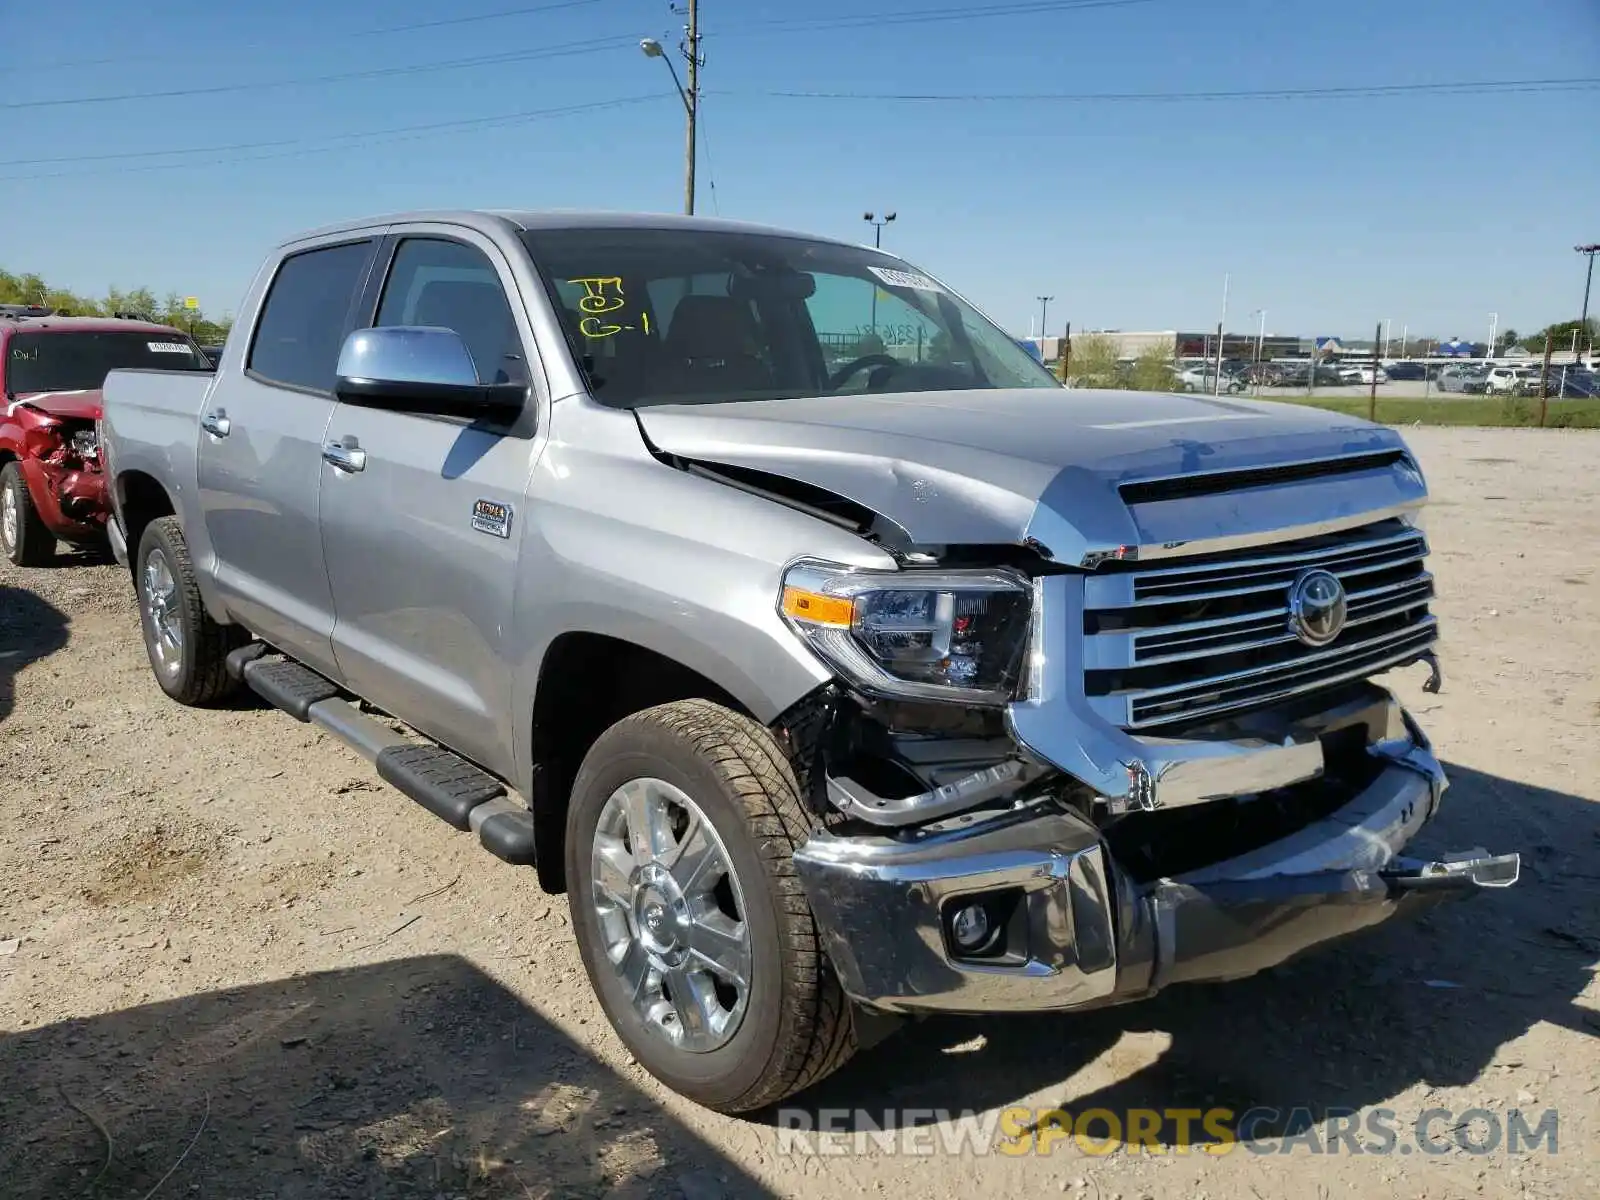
(28, 288)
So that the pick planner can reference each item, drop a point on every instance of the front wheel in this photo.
(187, 649)
(25, 538)
(689, 914)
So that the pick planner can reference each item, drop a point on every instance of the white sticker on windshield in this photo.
(906, 279)
(167, 347)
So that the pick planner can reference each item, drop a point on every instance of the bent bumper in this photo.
(1070, 929)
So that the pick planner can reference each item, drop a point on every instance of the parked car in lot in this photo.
(1570, 384)
(1462, 379)
(1407, 371)
(51, 370)
(1510, 381)
(827, 698)
(1204, 380)
(1362, 373)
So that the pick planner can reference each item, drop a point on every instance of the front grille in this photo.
(1210, 636)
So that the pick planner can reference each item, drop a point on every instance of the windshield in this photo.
(61, 361)
(668, 316)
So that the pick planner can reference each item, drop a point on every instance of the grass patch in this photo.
(1512, 411)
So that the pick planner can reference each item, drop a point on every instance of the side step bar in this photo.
(444, 783)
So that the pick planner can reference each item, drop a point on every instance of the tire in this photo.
(791, 1024)
(25, 538)
(187, 648)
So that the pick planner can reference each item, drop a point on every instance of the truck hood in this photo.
(1076, 474)
(84, 405)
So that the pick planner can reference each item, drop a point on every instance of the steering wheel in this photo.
(837, 379)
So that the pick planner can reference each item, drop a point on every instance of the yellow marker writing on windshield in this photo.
(595, 298)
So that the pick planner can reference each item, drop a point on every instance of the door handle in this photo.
(216, 423)
(345, 457)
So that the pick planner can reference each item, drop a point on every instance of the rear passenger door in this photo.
(260, 450)
(423, 583)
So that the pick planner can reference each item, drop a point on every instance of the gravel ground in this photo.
(233, 964)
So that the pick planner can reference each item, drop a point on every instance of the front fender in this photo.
(622, 545)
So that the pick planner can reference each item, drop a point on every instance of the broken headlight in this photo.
(955, 636)
(86, 444)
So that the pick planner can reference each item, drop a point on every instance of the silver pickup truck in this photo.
(836, 662)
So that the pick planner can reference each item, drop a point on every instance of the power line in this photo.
(926, 15)
(589, 46)
(17, 69)
(1461, 87)
(305, 146)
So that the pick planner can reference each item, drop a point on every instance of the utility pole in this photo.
(693, 49)
(690, 48)
(1044, 308)
(1583, 321)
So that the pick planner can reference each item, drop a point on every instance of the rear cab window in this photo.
(78, 360)
(306, 315)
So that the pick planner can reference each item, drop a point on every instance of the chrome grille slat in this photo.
(1357, 618)
(1221, 641)
(1278, 613)
(1268, 571)
(1366, 659)
(1271, 585)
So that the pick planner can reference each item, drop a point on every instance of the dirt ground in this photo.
(233, 964)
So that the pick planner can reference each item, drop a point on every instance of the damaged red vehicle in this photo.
(51, 372)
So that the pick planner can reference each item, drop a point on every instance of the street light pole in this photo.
(1583, 321)
(690, 97)
(1044, 307)
(1494, 324)
(877, 244)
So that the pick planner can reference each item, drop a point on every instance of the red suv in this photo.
(51, 372)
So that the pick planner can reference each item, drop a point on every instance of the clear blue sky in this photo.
(1430, 209)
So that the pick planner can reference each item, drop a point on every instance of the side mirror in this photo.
(420, 369)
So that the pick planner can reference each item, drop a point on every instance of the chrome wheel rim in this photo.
(163, 632)
(671, 915)
(8, 516)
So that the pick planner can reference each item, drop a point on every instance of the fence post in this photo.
(1544, 382)
(1372, 397)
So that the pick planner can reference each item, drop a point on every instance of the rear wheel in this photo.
(689, 914)
(25, 538)
(187, 649)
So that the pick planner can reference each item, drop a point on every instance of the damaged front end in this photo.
(1186, 774)
(59, 457)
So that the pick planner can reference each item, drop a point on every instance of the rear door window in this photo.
(306, 315)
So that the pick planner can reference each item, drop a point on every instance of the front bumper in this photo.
(72, 501)
(1078, 932)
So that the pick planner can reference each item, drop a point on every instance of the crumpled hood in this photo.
(84, 405)
(1045, 466)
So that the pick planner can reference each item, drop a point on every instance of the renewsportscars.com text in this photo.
(1020, 1131)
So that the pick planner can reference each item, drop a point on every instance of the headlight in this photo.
(86, 443)
(955, 636)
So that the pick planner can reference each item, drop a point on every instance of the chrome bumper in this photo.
(1079, 933)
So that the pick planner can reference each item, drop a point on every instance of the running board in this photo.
(444, 783)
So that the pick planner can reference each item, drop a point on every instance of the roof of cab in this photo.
(506, 220)
(85, 325)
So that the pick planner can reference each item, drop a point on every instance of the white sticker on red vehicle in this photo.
(167, 347)
(906, 279)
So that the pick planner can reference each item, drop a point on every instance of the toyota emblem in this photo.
(1317, 608)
